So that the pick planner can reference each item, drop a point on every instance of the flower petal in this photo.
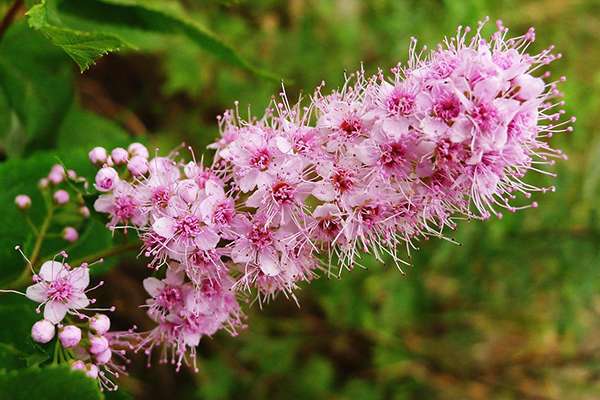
(55, 311)
(37, 292)
(79, 277)
(51, 270)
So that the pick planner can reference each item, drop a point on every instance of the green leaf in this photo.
(83, 47)
(83, 129)
(52, 383)
(88, 29)
(17, 350)
(35, 79)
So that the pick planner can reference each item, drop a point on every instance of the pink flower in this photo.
(119, 155)
(60, 290)
(69, 336)
(70, 234)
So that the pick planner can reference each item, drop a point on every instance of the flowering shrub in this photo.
(303, 190)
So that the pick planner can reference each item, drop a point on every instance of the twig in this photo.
(10, 16)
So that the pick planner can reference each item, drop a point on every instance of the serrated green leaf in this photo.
(88, 29)
(52, 383)
(83, 47)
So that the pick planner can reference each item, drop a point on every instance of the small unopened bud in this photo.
(106, 178)
(57, 174)
(119, 155)
(98, 344)
(137, 165)
(92, 371)
(72, 174)
(23, 201)
(69, 336)
(104, 357)
(43, 183)
(84, 211)
(98, 155)
(70, 234)
(138, 149)
(100, 324)
(42, 331)
(78, 366)
(61, 197)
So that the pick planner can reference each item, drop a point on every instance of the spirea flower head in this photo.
(372, 167)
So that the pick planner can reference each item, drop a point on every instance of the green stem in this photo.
(112, 251)
(25, 276)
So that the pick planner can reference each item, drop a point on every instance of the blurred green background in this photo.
(513, 313)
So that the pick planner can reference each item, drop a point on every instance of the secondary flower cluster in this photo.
(85, 341)
(370, 168)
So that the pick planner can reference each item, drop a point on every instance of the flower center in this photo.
(223, 214)
(369, 214)
(261, 159)
(486, 116)
(400, 103)
(351, 127)
(393, 155)
(187, 227)
(160, 197)
(170, 296)
(447, 108)
(260, 236)
(60, 290)
(342, 180)
(329, 226)
(283, 193)
(125, 207)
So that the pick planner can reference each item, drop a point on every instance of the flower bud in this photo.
(43, 183)
(98, 344)
(72, 174)
(106, 178)
(61, 197)
(138, 149)
(42, 331)
(78, 366)
(187, 190)
(57, 174)
(137, 165)
(103, 357)
(23, 201)
(84, 211)
(100, 324)
(92, 371)
(69, 336)
(70, 234)
(98, 155)
(119, 155)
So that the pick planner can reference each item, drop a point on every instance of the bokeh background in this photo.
(512, 313)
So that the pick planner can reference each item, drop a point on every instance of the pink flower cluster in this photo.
(370, 168)
(62, 291)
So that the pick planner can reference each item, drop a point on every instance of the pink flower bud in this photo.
(138, 149)
(103, 357)
(119, 155)
(71, 174)
(98, 155)
(23, 201)
(70, 234)
(100, 324)
(78, 366)
(187, 190)
(84, 211)
(56, 177)
(69, 336)
(137, 165)
(106, 178)
(43, 183)
(42, 331)
(61, 197)
(92, 371)
(98, 344)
